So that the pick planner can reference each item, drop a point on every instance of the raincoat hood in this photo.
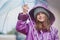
(31, 13)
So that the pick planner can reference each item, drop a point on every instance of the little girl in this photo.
(42, 20)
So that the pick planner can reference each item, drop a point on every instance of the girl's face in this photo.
(41, 17)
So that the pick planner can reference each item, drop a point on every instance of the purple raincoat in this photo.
(31, 33)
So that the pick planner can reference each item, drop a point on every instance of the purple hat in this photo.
(51, 15)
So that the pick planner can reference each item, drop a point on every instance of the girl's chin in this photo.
(41, 21)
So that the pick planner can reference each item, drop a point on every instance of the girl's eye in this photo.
(38, 14)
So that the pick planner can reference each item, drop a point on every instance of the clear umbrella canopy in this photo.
(9, 10)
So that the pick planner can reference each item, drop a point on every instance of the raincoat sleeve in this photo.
(21, 25)
(56, 37)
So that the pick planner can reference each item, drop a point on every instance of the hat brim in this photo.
(52, 17)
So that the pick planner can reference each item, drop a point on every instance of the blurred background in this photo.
(9, 10)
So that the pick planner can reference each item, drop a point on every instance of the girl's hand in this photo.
(25, 9)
